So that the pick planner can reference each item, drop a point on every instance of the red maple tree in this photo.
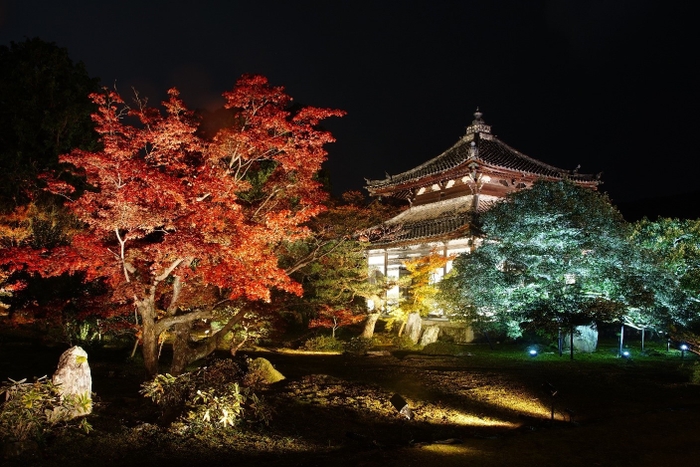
(182, 227)
(335, 318)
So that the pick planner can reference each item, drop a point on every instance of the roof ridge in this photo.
(426, 163)
(531, 159)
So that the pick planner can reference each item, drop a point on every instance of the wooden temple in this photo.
(443, 195)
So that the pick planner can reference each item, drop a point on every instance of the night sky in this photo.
(610, 85)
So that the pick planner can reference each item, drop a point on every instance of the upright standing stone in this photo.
(74, 380)
(585, 339)
(414, 325)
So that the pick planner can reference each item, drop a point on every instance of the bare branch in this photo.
(121, 254)
(169, 321)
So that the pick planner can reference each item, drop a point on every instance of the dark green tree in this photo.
(550, 258)
(331, 264)
(44, 112)
(674, 246)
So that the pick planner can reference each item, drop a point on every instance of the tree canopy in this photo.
(674, 247)
(44, 112)
(181, 227)
(550, 257)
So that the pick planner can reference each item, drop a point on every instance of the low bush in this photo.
(443, 348)
(405, 343)
(210, 398)
(324, 344)
(359, 345)
(31, 411)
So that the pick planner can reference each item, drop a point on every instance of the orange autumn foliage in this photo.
(177, 223)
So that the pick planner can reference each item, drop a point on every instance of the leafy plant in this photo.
(404, 343)
(32, 410)
(210, 398)
(212, 408)
(359, 345)
(324, 344)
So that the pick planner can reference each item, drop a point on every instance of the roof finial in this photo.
(477, 116)
(478, 125)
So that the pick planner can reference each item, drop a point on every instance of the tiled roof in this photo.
(437, 221)
(480, 146)
(441, 228)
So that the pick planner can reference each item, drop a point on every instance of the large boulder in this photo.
(430, 335)
(585, 339)
(74, 382)
(261, 371)
(459, 333)
(414, 324)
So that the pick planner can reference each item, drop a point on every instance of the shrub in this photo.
(405, 343)
(324, 344)
(210, 398)
(443, 348)
(33, 410)
(359, 345)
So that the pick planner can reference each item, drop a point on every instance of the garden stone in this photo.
(73, 380)
(458, 333)
(585, 339)
(413, 326)
(260, 370)
(430, 335)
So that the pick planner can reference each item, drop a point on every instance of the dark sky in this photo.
(610, 85)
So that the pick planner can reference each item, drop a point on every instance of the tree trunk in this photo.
(185, 351)
(622, 339)
(181, 350)
(149, 338)
(403, 326)
(560, 342)
(368, 331)
(571, 342)
(486, 335)
(236, 347)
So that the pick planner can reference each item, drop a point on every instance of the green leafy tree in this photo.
(674, 246)
(552, 257)
(44, 112)
(331, 264)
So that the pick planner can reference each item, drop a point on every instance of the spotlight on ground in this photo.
(401, 406)
(625, 354)
(532, 352)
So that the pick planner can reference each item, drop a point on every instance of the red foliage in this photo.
(335, 318)
(178, 222)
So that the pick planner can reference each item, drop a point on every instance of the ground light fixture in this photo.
(625, 354)
(532, 352)
(683, 348)
(552, 391)
(401, 406)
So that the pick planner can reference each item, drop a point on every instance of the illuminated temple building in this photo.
(444, 193)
